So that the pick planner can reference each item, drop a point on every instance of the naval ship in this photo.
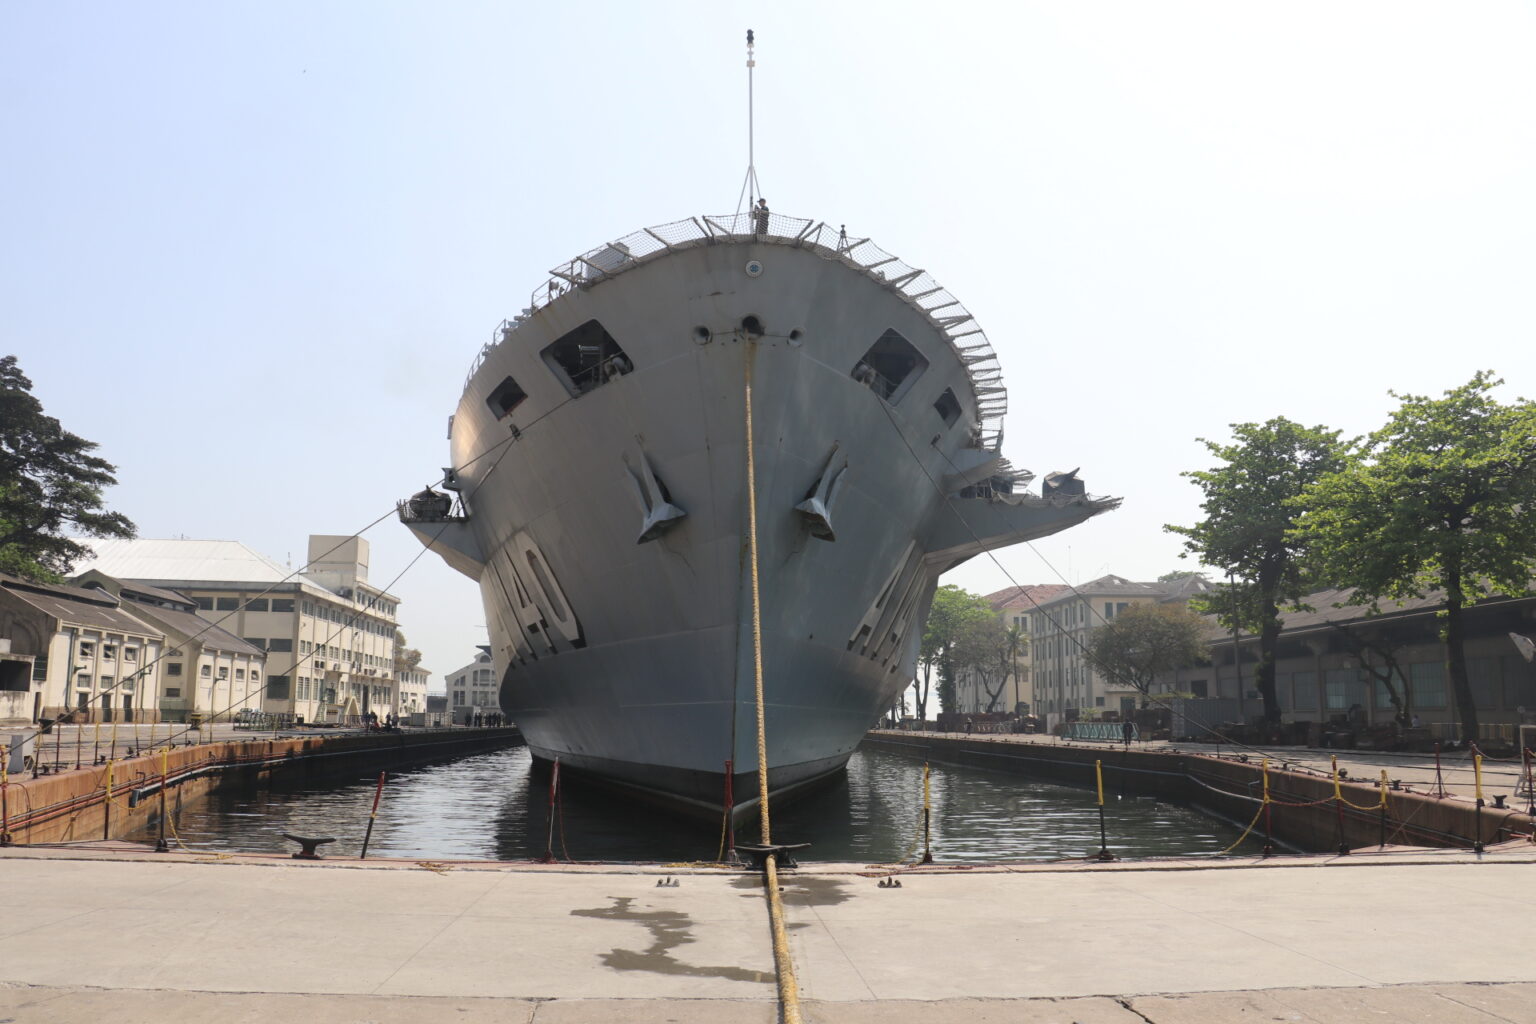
(599, 497)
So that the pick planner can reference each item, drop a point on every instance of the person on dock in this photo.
(1127, 732)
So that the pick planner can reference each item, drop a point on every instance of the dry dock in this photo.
(110, 933)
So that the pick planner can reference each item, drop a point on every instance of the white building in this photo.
(206, 671)
(328, 634)
(1066, 686)
(411, 684)
(474, 689)
(90, 656)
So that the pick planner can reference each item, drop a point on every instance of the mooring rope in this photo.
(789, 989)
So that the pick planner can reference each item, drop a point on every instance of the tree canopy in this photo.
(406, 658)
(1441, 497)
(955, 629)
(1145, 641)
(49, 483)
(1250, 511)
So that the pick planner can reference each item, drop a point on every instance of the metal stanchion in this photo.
(1098, 774)
(378, 791)
(1477, 770)
(927, 818)
(1338, 805)
(549, 840)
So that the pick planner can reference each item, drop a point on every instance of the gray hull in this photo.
(633, 658)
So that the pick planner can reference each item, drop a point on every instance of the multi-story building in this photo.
(327, 633)
(1013, 605)
(206, 672)
(411, 684)
(90, 657)
(473, 689)
(1065, 685)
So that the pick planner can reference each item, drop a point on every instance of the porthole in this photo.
(752, 327)
(702, 335)
(754, 268)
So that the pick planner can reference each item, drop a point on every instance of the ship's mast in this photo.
(749, 185)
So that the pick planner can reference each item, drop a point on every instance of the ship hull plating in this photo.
(608, 527)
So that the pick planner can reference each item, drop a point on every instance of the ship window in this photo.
(890, 366)
(948, 407)
(504, 399)
(586, 358)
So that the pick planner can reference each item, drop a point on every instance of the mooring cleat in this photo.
(309, 844)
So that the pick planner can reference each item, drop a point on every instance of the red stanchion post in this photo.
(378, 791)
(1530, 790)
(549, 839)
(1439, 779)
(730, 808)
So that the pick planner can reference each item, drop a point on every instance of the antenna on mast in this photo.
(749, 185)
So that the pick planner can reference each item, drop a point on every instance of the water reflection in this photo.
(494, 806)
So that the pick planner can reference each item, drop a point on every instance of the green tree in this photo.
(49, 482)
(1147, 640)
(406, 658)
(1250, 511)
(1440, 498)
(952, 619)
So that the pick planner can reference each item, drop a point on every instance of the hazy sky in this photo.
(251, 248)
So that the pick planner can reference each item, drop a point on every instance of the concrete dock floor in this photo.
(116, 934)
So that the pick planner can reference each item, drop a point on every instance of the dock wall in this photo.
(1302, 813)
(116, 799)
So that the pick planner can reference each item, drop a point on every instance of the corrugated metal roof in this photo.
(1024, 597)
(190, 626)
(185, 563)
(76, 605)
(211, 561)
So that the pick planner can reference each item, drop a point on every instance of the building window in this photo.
(239, 675)
(131, 655)
(108, 652)
(227, 604)
(1428, 684)
(87, 650)
(204, 604)
(175, 691)
(223, 671)
(173, 668)
(282, 604)
(256, 604)
(277, 687)
(204, 672)
(280, 645)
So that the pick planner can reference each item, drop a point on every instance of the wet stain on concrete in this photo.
(669, 929)
(809, 891)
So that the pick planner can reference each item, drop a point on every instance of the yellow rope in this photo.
(1247, 830)
(789, 989)
(757, 615)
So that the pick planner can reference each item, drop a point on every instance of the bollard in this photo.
(1098, 773)
(378, 791)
